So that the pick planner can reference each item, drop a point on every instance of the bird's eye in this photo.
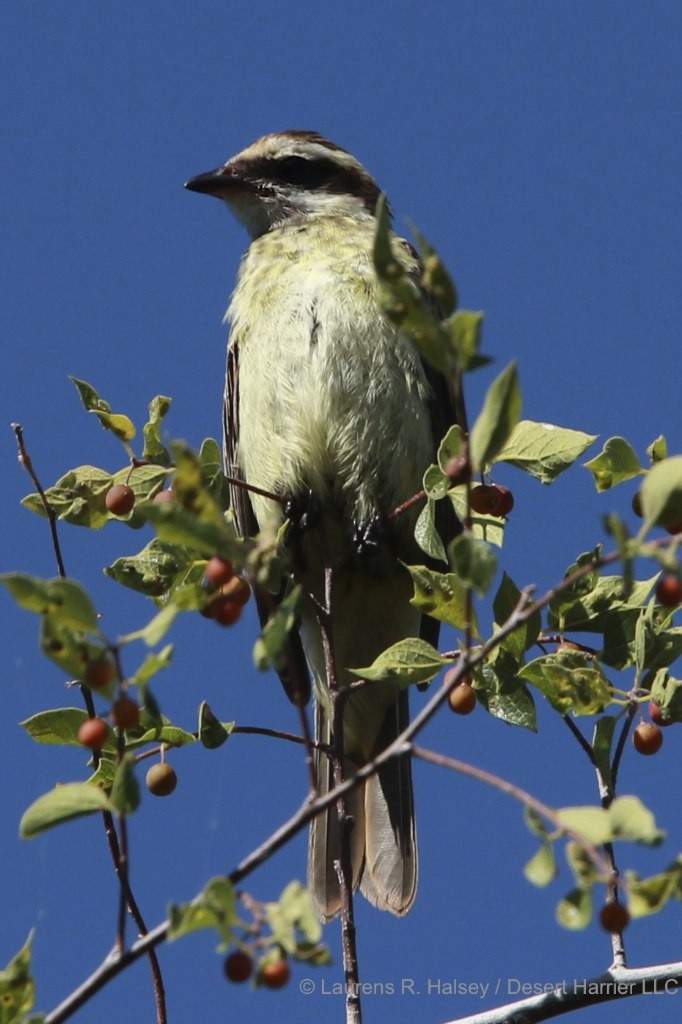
(295, 170)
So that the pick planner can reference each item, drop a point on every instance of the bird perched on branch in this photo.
(329, 406)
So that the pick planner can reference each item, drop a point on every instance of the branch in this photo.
(25, 461)
(616, 983)
(519, 794)
(400, 746)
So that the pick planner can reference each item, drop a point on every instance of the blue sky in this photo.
(537, 145)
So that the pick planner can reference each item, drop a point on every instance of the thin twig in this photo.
(463, 768)
(25, 461)
(398, 748)
(118, 855)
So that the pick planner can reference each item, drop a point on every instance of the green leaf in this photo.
(650, 895)
(77, 497)
(465, 329)
(570, 682)
(154, 662)
(269, 648)
(541, 869)
(658, 449)
(442, 596)
(60, 725)
(17, 987)
(425, 532)
(661, 492)
(627, 818)
(67, 647)
(506, 601)
(62, 598)
(154, 449)
(435, 277)
(402, 298)
(504, 696)
(409, 661)
(601, 747)
(666, 691)
(211, 462)
(155, 630)
(575, 910)
(215, 907)
(293, 912)
(153, 731)
(64, 803)
(582, 865)
(119, 424)
(157, 568)
(500, 414)
(544, 450)
(125, 790)
(632, 821)
(212, 733)
(616, 462)
(474, 562)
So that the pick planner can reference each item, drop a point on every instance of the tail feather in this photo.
(383, 839)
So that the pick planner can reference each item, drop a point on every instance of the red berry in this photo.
(669, 591)
(656, 715)
(161, 780)
(125, 713)
(637, 505)
(238, 966)
(614, 917)
(99, 672)
(647, 738)
(120, 499)
(237, 590)
(491, 500)
(219, 572)
(93, 733)
(225, 611)
(674, 527)
(275, 974)
(162, 496)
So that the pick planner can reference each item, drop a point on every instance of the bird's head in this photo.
(290, 176)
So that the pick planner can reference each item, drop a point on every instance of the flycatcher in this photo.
(328, 405)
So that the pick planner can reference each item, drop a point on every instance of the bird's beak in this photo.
(211, 183)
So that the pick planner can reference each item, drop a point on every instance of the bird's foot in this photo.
(303, 511)
(368, 535)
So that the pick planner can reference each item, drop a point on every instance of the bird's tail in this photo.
(383, 839)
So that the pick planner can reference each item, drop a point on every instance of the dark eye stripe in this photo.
(295, 170)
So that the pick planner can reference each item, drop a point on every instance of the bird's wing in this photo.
(293, 673)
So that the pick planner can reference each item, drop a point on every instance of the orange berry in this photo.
(125, 713)
(647, 738)
(99, 672)
(162, 496)
(94, 733)
(614, 917)
(276, 973)
(120, 500)
(161, 780)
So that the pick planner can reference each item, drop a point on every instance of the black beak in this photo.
(212, 183)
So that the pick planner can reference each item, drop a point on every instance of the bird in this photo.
(331, 413)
